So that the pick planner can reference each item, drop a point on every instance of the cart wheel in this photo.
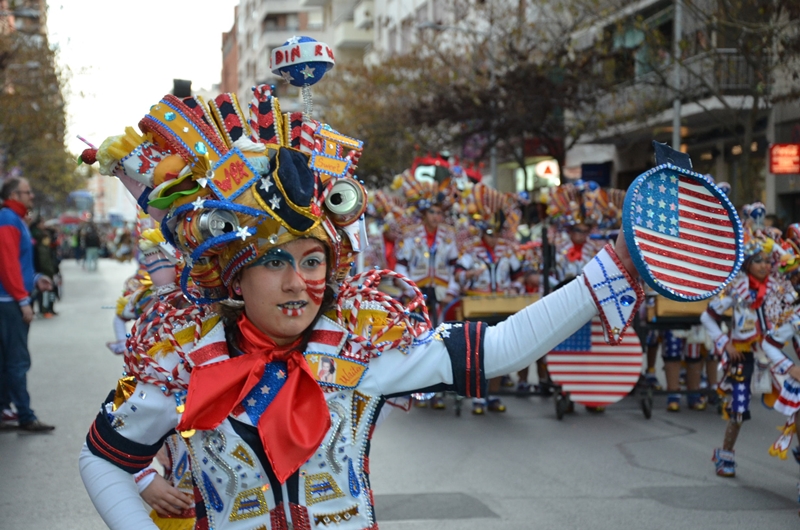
(562, 403)
(647, 407)
(647, 403)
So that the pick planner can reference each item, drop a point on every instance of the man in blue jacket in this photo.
(17, 280)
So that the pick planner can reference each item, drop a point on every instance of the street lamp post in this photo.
(492, 85)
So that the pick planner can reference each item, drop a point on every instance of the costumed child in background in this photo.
(271, 233)
(426, 254)
(785, 397)
(747, 294)
(158, 258)
(489, 266)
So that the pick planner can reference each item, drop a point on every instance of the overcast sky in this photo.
(123, 56)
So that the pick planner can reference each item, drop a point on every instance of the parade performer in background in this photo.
(680, 346)
(747, 295)
(427, 254)
(573, 211)
(489, 266)
(157, 257)
(268, 230)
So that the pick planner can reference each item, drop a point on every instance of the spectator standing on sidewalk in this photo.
(91, 241)
(17, 281)
(46, 263)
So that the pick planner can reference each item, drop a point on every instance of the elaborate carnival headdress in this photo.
(586, 202)
(235, 184)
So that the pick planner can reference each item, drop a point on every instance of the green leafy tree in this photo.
(32, 118)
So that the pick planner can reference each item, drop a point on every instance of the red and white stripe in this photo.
(601, 376)
(704, 254)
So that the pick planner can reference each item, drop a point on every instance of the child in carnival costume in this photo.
(739, 350)
(785, 397)
(489, 265)
(269, 232)
(155, 255)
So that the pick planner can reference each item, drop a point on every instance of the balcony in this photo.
(363, 14)
(273, 38)
(346, 35)
(723, 72)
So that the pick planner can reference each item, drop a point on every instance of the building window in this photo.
(392, 44)
(422, 13)
(315, 19)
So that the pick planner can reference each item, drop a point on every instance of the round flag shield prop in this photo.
(683, 234)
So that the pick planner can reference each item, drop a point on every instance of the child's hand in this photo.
(794, 372)
(733, 354)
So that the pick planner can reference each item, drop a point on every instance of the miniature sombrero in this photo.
(683, 234)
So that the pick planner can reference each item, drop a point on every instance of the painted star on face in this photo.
(266, 183)
(243, 232)
(307, 72)
(275, 202)
(198, 203)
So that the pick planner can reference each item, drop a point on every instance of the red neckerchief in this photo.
(431, 238)
(575, 253)
(760, 287)
(16, 207)
(489, 250)
(391, 260)
(291, 428)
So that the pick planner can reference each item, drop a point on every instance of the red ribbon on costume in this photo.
(575, 253)
(760, 287)
(293, 425)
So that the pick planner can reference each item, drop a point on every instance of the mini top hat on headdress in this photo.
(237, 187)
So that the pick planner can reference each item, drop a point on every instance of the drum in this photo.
(593, 372)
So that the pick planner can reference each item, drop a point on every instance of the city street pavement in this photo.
(430, 469)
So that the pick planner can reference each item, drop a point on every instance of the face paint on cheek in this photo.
(316, 290)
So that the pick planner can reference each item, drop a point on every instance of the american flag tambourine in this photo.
(683, 234)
